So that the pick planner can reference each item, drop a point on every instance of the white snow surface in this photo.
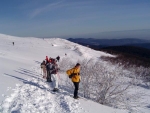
(23, 90)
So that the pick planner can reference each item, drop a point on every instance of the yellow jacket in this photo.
(76, 71)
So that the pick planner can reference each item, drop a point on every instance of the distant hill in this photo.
(143, 45)
(100, 43)
(129, 51)
(130, 54)
(137, 51)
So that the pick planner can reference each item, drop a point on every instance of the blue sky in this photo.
(76, 18)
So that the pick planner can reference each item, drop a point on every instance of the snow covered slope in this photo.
(23, 90)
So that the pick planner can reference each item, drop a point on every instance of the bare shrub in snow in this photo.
(105, 84)
(101, 83)
(141, 73)
(139, 67)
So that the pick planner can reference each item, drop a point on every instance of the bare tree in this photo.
(105, 83)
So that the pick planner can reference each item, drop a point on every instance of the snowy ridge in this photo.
(22, 87)
(81, 50)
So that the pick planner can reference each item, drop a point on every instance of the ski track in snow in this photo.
(36, 96)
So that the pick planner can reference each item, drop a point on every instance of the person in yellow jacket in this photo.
(74, 74)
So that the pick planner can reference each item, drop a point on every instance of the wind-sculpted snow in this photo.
(35, 97)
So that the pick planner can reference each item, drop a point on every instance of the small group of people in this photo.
(50, 72)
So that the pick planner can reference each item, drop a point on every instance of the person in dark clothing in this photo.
(47, 60)
(58, 58)
(48, 72)
(54, 70)
(13, 43)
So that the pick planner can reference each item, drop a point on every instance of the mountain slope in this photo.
(22, 87)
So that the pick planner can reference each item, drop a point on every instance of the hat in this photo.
(77, 64)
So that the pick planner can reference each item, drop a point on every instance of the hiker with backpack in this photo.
(54, 71)
(43, 67)
(74, 75)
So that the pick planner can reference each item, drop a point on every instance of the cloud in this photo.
(73, 5)
(45, 8)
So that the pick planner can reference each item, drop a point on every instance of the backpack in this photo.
(73, 74)
(70, 74)
(53, 68)
(41, 65)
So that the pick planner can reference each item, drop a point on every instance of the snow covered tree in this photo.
(106, 83)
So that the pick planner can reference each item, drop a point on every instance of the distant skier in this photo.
(13, 43)
(43, 67)
(58, 58)
(54, 70)
(74, 75)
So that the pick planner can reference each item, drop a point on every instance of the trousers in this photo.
(55, 80)
(76, 85)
